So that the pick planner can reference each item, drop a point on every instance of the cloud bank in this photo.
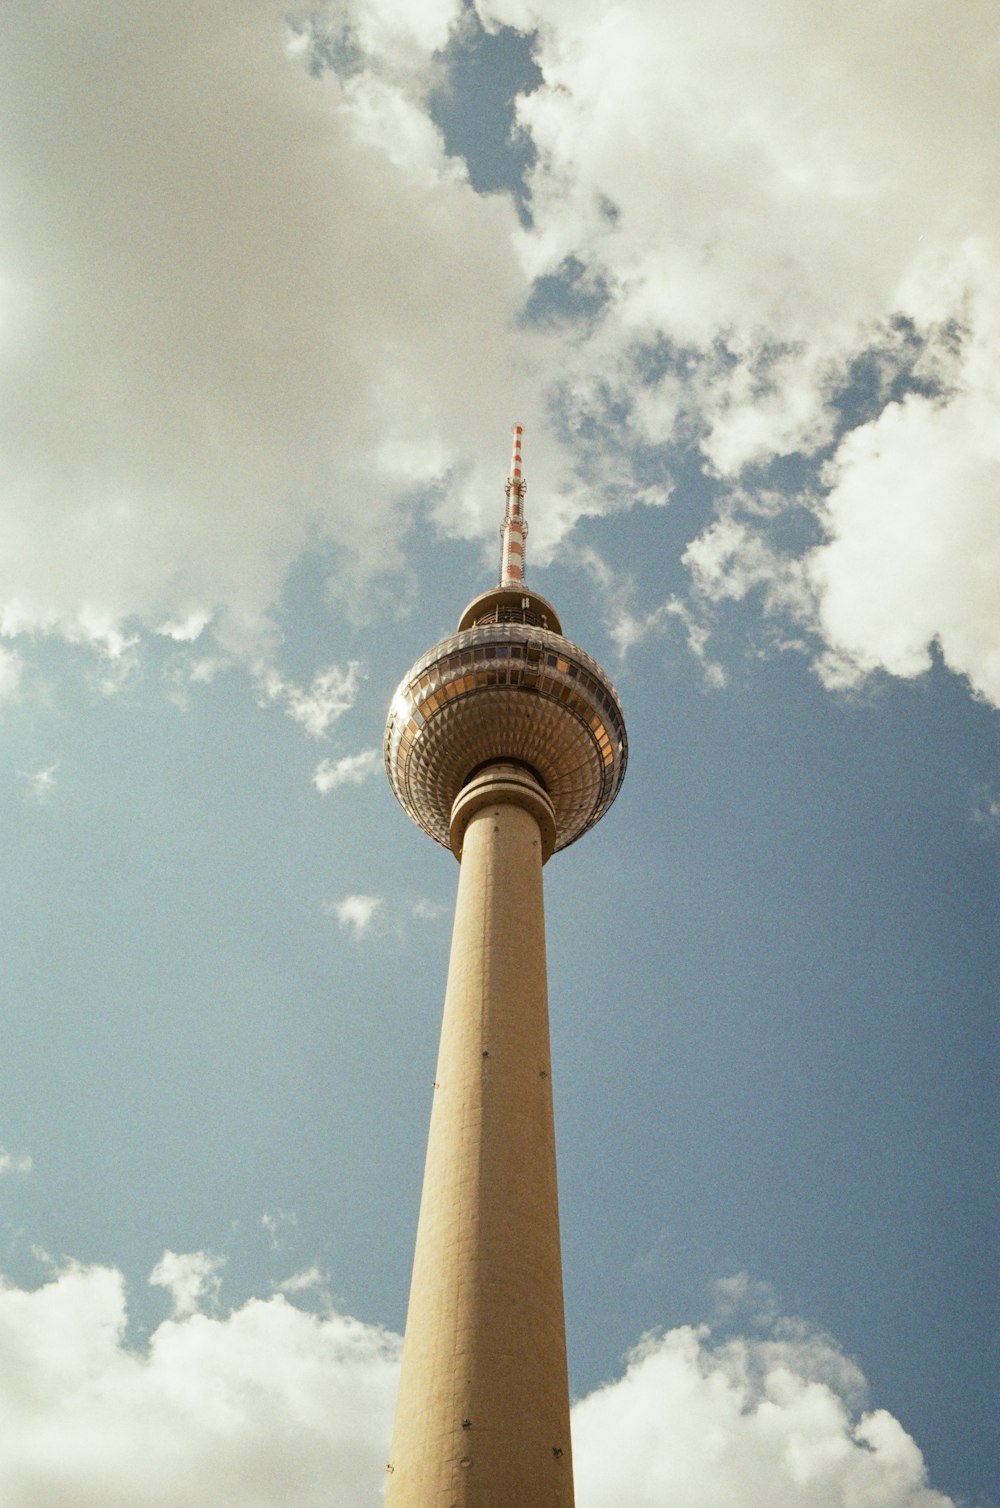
(764, 1423)
(244, 310)
(266, 1406)
(249, 307)
(269, 1405)
(790, 217)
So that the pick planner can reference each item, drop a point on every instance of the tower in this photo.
(505, 743)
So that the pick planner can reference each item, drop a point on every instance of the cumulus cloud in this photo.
(729, 559)
(310, 1279)
(695, 160)
(912, 556)
(762, 1423)
(250, 307)
(352, 769)
(764, 201)
(267, 1405)
(332, 693)
(355, 913)
(191, 1279)
(244, 309)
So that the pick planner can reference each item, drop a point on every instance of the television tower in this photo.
(505, 743)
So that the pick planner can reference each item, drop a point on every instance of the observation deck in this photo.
(507, 687)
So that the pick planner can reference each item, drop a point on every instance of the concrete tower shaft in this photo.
(505, 743)
(482, 1419)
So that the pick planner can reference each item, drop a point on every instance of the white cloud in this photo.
(11, 671)
(698, 158)
(261, 1408)
(986, 809)
(352, 769)
(744, 1295)
(41, 782)
(11, 1163)
(278, 1224)
(268, 1405)
(332, 693)
(913, 550)
(239, 316)
(360, 914)
(185, 632)
(765, 1424)
(191, 1278)
(184, 671)
(245, 310)
(764, 194)
(698, 637)
(310, 1279)
(355, 913)
(911, 554)
(627, 628)
(729, 561)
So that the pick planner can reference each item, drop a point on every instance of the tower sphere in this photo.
(508, 687)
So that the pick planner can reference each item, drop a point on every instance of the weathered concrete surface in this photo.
(482, 1419)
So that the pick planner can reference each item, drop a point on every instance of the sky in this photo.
(275, 281)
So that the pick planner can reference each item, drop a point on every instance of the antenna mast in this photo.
(513, 530)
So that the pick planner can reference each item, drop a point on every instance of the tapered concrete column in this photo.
(482, 1419)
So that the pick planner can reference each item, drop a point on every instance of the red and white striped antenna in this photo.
(513, 530)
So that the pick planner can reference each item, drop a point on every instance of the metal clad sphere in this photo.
(506, 691)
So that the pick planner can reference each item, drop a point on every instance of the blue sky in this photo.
(273, 287)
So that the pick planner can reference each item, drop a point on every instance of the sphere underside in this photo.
(506, 692)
